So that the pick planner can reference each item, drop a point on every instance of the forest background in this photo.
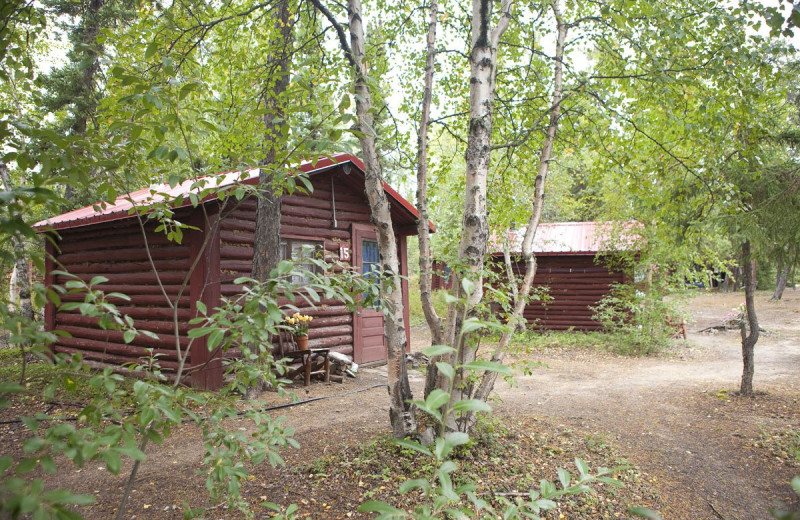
(681, 116)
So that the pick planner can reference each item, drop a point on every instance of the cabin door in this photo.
(369, 342)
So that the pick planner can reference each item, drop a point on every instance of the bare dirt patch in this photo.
(677, 415)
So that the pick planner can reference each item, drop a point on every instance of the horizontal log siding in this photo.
(575, 285)
(307, 217)
(117, 251)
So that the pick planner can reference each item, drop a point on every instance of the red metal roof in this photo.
(120, 209)
(576, 238)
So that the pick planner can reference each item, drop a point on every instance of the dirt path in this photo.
(676, 416)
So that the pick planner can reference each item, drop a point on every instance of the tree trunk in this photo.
(737, 278)
(475, 228)
(85, 102)
(425, 260)
(21, 299)
(781, 278)
(522, 293)
(267, 238)
(749, 337)
(22, 304)
(402, 413)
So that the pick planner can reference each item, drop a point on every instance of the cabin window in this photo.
(300, 251)
(370, 262)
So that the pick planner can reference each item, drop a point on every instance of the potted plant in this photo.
(298, 325)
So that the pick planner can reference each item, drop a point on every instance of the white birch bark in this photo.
(475, 228)
(401, 413)
(523, 291)
(425, 259)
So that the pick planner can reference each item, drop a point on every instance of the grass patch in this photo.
(502, 460)
(619, 343)
(416, 315)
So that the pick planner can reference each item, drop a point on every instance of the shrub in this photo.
(642, 323)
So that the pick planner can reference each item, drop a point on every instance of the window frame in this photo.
(290, 245)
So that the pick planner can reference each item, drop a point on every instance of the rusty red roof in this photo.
(576, 238)
(121, 207)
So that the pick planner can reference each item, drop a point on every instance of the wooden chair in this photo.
(310, 363)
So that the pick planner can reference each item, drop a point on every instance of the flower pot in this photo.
(302, 342)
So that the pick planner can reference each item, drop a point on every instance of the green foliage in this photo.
(442, 496)
(119, 420)
(416, 316)
(530, 341)
(642, 323)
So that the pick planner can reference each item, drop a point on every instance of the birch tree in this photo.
(401, 412)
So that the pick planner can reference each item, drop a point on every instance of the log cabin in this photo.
(109, 242)
(576, 265)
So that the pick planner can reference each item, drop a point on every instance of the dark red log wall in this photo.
(117, 251)
(306, 217)
(576, 283)
(223, 252)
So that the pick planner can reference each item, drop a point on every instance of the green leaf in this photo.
(468, 286)
(129, 335)
(583, 468)
(438, 350)
(134, 453)
(413, 445)
(283, 268)
(47, 463)
(186, 89)
(25, 466)
(446, 369)
(215, 338)
(27, 504)
(150, 50)
(471, 325)
(449, 298)
(199, 332)
(33, 444)
(457, 438)
(446, 445)
(416, 483)
(64, 496)
(546, 504)
(10, 388)
(97, 280)
(113, 461)
(488, 366)
(54, 297)
(436, 399)
(471, 405)
(564, 477)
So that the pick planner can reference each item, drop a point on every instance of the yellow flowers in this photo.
(298, 324)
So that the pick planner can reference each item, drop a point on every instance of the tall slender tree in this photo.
(266, 242)
(402, 414)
